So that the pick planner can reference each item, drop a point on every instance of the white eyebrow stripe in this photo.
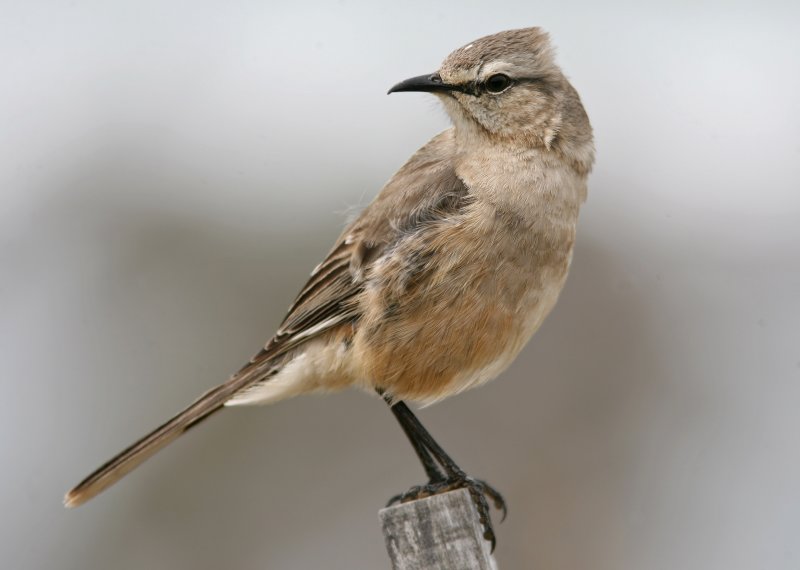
(495, 67)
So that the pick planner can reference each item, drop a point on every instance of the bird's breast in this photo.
(452, 304)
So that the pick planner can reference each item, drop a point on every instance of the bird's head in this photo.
(507, 88)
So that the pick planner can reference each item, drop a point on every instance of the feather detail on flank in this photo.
(318, 368)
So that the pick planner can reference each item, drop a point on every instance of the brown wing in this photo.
(425, 188)
(322, 304)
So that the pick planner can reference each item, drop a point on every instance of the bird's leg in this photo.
(432, 469)
(421, 438)
(445, 476)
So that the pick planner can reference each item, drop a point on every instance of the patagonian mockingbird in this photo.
(438, 284)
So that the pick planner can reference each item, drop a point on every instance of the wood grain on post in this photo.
(441, 532)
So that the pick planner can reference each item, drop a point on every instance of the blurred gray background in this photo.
(170, 172)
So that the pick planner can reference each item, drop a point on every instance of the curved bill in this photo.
(430, 83)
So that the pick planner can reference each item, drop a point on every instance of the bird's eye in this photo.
(497, 83)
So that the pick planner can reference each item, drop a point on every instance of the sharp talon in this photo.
(393, 500)
(414, 493)
(497, 499)
(478, 490)
(488, 535)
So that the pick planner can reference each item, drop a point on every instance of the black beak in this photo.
(427, 83)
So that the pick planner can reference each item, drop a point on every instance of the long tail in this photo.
(130, 458)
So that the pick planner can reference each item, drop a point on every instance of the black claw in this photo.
(497, 499)
(414, 493)
(489, 535)
(394, 500)
(478, 490)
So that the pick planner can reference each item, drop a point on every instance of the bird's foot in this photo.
(478, 490)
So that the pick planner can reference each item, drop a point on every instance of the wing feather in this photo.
(426, 188)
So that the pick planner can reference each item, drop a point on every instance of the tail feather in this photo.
(130, 458)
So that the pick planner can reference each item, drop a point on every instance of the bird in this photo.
(438, 284)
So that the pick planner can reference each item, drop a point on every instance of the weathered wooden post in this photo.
(441, 532)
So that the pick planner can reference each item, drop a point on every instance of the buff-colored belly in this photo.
(456, 324)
